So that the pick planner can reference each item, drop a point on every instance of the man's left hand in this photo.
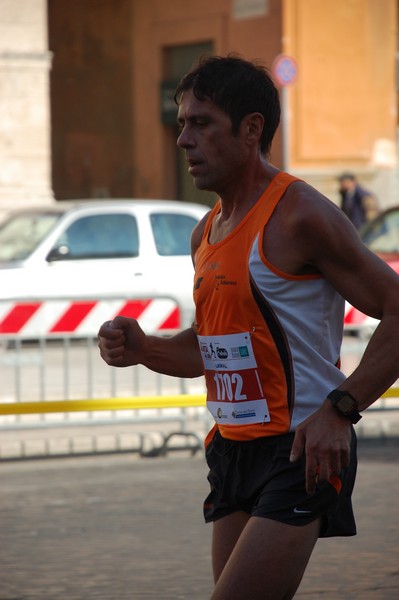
(325, 438)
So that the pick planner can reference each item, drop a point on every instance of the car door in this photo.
(97, 255)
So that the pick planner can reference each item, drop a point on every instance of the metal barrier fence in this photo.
(133, 409)
(59, 398)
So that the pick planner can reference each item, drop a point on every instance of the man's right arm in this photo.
(123, 343)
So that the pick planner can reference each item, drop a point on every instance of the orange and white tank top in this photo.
(270, 341)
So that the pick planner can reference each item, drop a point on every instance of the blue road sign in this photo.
(285, 69)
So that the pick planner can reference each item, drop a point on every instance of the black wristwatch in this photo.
(345, 404)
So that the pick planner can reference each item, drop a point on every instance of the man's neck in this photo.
(241, 196)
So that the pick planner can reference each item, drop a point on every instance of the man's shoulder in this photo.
(303, 208)
(299, 191)
(363, 192)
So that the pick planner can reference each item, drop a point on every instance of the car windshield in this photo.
(382, 234)
(21, 234)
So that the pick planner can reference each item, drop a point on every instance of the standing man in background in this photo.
(359, 205)
(274, 260)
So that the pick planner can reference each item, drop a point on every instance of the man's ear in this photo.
(253, 124)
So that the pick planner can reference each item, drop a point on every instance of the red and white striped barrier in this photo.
(82, 318)
(49, 318)
(357, 321)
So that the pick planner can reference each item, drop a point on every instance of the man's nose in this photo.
(184, 139)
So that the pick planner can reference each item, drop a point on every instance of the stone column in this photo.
(25, 161)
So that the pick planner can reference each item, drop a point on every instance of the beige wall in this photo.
(343, 105)
(24, 104)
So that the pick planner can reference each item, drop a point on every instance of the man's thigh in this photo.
(268, 560)
(225, 534)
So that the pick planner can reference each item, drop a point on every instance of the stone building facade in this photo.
(25, 61)
(108, 68)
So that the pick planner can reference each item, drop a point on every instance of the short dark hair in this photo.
(347, 175)
(238, 87)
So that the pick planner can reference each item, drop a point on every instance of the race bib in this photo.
(235, 394)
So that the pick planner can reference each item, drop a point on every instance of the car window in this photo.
(172, 233)
(382, 235)
(21, 234)
(100, 236)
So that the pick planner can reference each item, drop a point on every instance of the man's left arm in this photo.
(373, 287)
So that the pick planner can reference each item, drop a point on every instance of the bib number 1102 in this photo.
(229, 387)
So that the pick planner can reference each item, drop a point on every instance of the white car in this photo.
(66, 268)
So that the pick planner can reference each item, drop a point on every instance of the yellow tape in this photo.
(129, 403)
(60, 406)
(391, 393)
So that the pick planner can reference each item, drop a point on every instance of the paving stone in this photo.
(120, 527)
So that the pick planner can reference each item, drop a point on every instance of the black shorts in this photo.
(257, 477)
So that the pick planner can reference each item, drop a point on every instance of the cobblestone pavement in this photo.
(120, 527)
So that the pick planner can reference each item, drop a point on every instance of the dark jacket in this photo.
(354, 205)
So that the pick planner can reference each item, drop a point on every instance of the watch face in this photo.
(346, 404)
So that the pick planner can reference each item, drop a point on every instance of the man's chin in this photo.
(202, 184)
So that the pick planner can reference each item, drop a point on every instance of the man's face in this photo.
(213, 154)
(347, 185)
